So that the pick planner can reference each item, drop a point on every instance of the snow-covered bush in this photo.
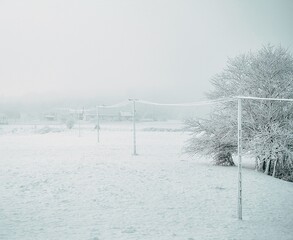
(267, 127)
(273, 149)
(210, 139)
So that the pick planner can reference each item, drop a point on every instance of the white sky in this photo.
(153, 49)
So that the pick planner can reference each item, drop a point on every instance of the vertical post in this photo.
(239, 159)
(78, 119)
(134, 127)
(98, 123)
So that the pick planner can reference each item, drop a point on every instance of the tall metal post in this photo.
(134, 127)
(98, 123)
(78, 119)
(239, 159)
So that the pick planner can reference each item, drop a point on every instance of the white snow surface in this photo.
(57, 185)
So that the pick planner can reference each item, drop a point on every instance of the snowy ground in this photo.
(61, 186)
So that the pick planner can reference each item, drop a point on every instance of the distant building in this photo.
(90, 116)
(125, 116)
(50, 117)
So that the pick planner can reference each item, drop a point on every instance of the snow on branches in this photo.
(267, 125)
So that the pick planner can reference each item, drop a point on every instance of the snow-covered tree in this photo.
(213, 137)
(267, 125)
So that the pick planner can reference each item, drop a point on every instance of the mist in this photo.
(98, 52)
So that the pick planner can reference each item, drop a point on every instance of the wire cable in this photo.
(200, 103)
(260, 98)
(117, 105)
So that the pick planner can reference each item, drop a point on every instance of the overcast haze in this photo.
(158, 50)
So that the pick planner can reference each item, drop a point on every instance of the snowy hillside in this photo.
(61, 186)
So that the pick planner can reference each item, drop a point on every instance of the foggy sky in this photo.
(153, 49)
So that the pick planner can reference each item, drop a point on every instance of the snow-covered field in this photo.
(57, 185)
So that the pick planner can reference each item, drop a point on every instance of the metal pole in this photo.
(98, 124)
(239, 160)
(78, 119)
(134, 127)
